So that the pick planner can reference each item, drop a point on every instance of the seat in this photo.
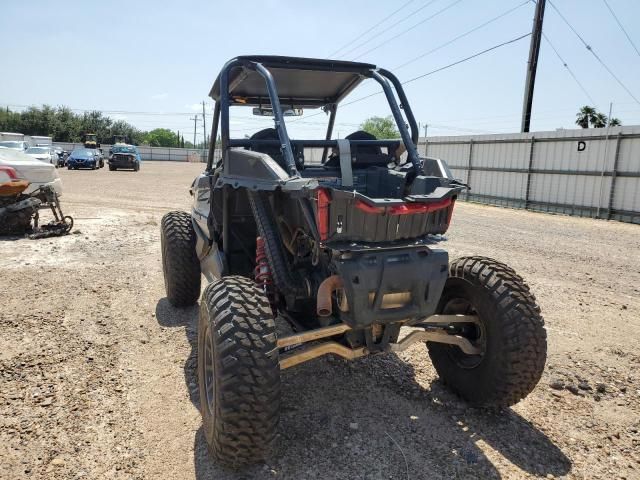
(364, 155)
(274, 150)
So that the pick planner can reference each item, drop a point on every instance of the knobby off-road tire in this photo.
(238, 371)
(180, 263)
(511, 334)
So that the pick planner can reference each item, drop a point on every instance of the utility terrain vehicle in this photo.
(345, 252)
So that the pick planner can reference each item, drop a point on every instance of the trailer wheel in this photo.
(510, 334)
(238, 371)
(180, 263)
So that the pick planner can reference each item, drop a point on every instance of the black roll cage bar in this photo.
(385, 78)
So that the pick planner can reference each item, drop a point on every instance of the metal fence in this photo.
(588, 172)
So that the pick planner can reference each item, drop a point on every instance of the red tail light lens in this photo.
(10, 172)
(323, 213)
(405, 209)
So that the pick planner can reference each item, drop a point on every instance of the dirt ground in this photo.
(97, 370)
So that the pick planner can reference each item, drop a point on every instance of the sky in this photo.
(153, 63)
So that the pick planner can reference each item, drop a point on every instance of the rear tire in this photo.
(238, 371)
(511, 334)
(180, 263)
(111, 168)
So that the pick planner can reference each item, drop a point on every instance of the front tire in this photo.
(238, 371)
(180, 263)
(510, 334)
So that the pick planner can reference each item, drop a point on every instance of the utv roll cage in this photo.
(302, 83)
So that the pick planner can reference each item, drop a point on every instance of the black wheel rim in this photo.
(209, 372)
(474, 332)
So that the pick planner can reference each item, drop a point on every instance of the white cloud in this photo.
(159, 96)
(194, 107)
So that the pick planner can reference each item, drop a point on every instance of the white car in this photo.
(18, 145)
(16, 165)
(44, 154)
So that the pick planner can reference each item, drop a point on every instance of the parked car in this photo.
(19, 145)
(124, 156)
(19, 166)
(44, 154)
(83, 158)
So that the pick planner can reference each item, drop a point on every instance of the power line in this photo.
(458, 62)
(568, 69)
(110, 112)
(390, 27)
(513, 40)
(590, 48)
(461, 35)
(442, 10)
(621, 27)
(370, 29)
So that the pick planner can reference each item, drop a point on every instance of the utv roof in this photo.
(301, 82)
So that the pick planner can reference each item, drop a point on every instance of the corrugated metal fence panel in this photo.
(586, 172)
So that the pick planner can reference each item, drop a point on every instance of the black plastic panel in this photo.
(421, 271)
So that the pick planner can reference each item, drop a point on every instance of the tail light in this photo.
(9, 172)
(405, 209)
(323, 213)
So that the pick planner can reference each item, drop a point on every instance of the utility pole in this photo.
(204, 126)
(532, 64)
(195, 126)
(425, 139)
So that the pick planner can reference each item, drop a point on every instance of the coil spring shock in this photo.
(262, 274)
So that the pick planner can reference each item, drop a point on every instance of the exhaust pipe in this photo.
(326, 288)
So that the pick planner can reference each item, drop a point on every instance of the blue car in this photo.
(83, 158)
(124, 156)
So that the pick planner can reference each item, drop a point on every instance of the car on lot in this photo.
(124, 156)
(19, 166)
(44, 154)
(83, 158)
(19, 145)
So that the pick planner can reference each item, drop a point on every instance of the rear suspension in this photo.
(262, 274)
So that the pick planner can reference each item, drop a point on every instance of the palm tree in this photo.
(599, 120)
(585, 115)
(614, 122)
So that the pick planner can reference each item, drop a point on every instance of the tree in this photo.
(585, 116)
(161, 137)
(381, 127)
(599, 120)
(589, 116)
